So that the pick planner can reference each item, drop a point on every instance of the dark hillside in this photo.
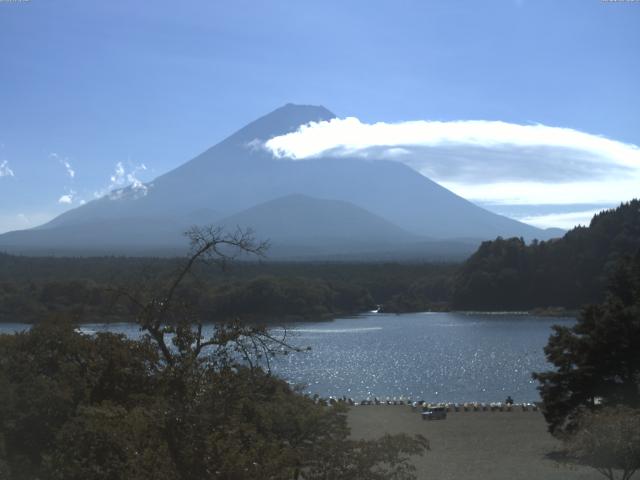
(567, 272)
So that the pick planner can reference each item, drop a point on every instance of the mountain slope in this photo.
(308, 220)
(238, 174)
(221, 178)
(298, 224)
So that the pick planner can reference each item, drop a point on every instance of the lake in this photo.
(452, 357)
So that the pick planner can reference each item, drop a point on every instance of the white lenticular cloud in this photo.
(351, 135)
(5, 171)
(482, 160)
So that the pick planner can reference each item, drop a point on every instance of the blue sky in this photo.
(122, 91)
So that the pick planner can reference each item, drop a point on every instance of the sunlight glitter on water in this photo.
(484, 358)
(454, 357)
(326, 330)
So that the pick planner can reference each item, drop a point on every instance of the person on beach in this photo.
(509, 400)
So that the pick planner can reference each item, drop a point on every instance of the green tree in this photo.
(48, 374)
(566, 272)
(598, 359)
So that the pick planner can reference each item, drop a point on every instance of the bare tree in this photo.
(199, 369)
(609, 441)
(178, 332)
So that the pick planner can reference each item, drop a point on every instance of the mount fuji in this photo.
(307, 208)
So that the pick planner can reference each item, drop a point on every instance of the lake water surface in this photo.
(453, 357)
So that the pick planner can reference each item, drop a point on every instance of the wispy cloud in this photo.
(5, 171)
(65, 163)
(117, 179)
(483, 160)
(561, 220)
(564, 216)
(122, 182)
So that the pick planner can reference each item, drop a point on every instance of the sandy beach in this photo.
(473, 445)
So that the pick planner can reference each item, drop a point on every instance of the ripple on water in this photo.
(484, 358)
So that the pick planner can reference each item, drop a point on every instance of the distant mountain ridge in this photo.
(303, 219)
(393, 202)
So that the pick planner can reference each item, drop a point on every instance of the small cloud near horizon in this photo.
(566, 221)
(122, 179)
(66, 199)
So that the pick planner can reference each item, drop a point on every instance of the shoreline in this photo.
(549, 312)
(416, 405)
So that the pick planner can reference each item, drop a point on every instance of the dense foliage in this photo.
(83, 407)
(507, 274)
(83, 288)
(176, 404)
(598, 359)
(428, 293)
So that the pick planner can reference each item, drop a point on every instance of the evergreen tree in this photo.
(598, 359)
(568, 272)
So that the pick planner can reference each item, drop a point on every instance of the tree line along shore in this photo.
(554, 277)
